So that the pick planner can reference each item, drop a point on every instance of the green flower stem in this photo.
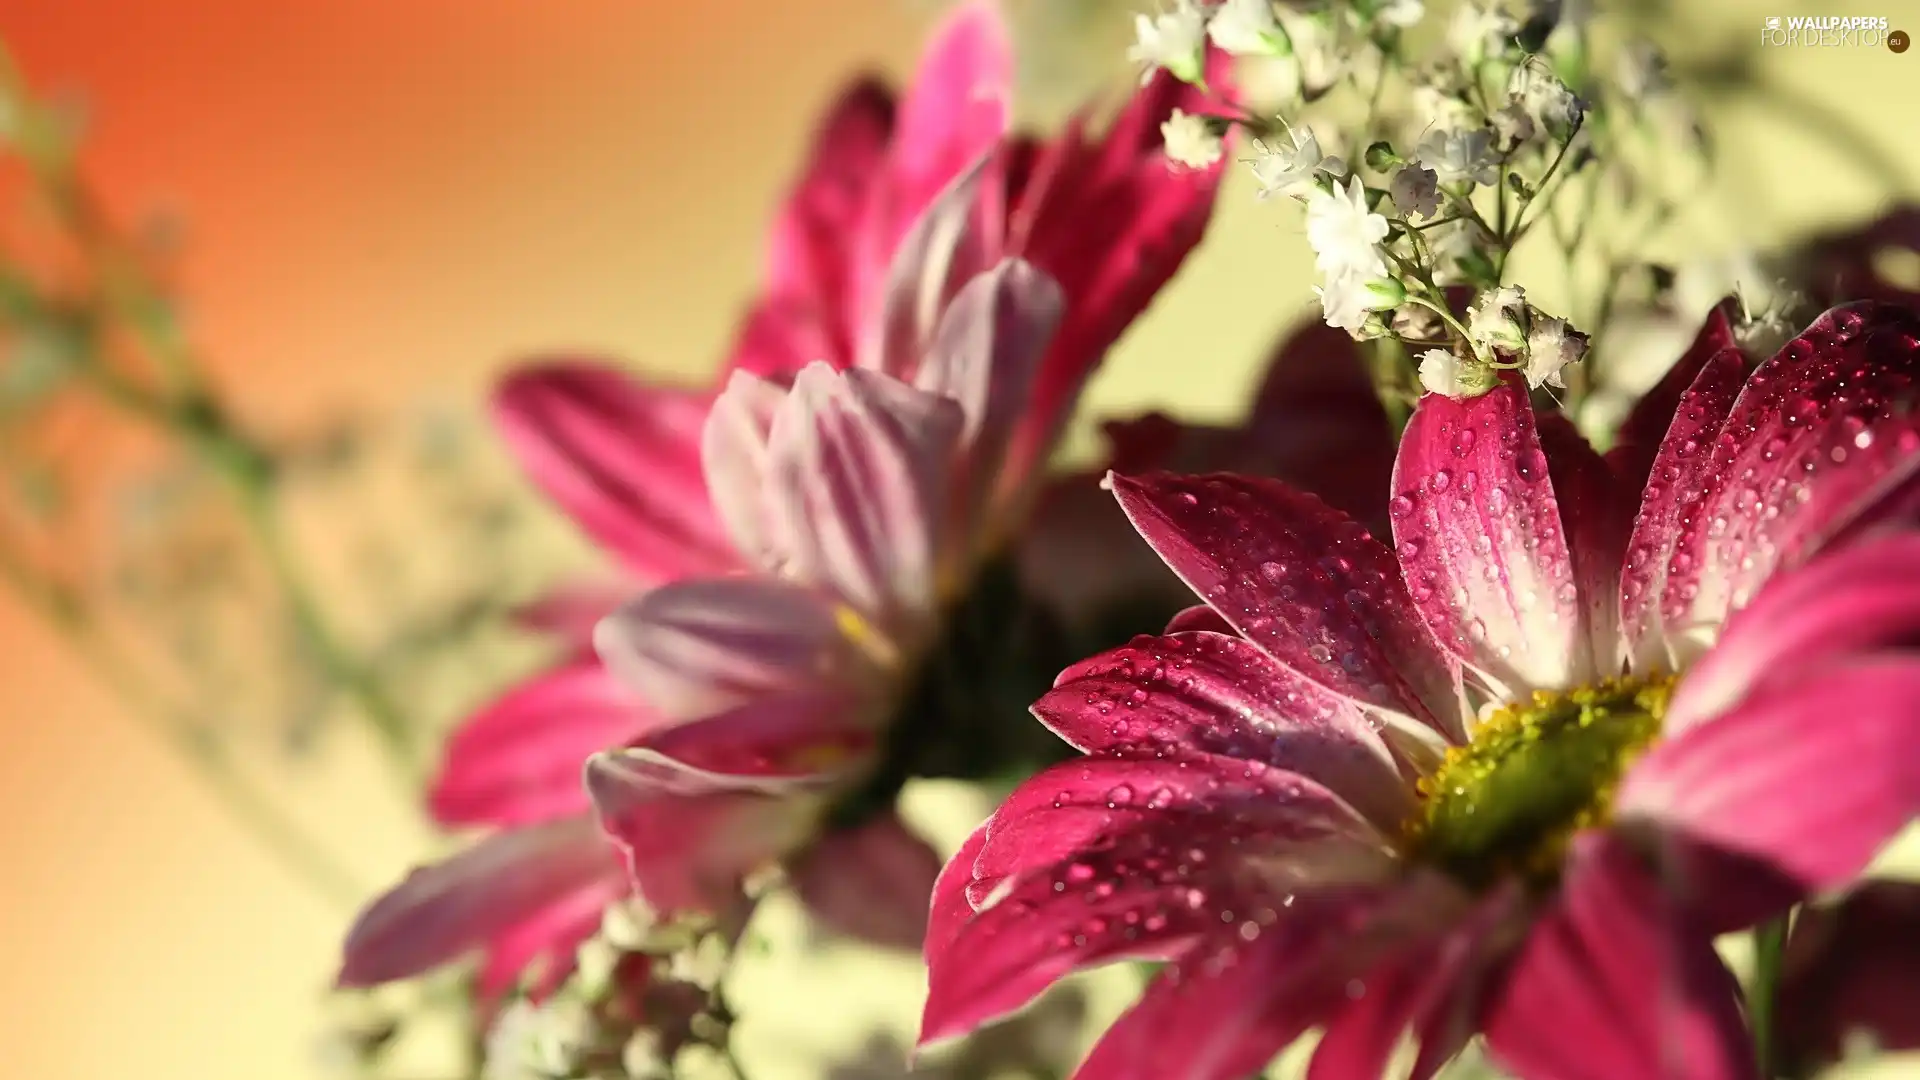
(248, 470)
(299, 853)
(1769, 942)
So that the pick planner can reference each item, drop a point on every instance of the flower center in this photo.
(1533, 775)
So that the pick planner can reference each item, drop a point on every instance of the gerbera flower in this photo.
(1510, 774)
(624, 459)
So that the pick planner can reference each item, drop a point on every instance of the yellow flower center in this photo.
(1534, 774)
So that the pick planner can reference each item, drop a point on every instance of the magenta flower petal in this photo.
(983, 357)
(1228, 1007)
(1483, 543)
(1212, 1016)
(689, 834)
(1145, 892)
(1849, 602)
(538, 953)
(1098, 910)
(517, 760)
(1598, 513)
(1215, 694)
(1078, 805)
(1644, 431)
(695, 648)
(621, 458)
(1679, 480)
(1760, 779)
(950, 909)
(960, 236)
(954, 115)
(1807, 448)
(1112, 222)
(445, 910)
(859, 464)
(571, 611)
(1849, 969)
(870, 882)
(809, 251)
(733, 453)
(1301, 581)
(1199, 619)
(1609, 985)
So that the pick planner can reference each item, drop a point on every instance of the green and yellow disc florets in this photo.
(1534, 774)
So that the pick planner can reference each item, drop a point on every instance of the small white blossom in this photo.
(594, 963)
(1416, 323)
(1345, 235)
(641, 1058)
(1453, 244)
(536, 1042)
(1415, 189)
(1344, 301)
(1497, 319)
(1436, 104)
(1460, 155)
(1190, 140)
(1441, 372)
(626, 925)
(1247, 28)
(1317, 55)
(1400, 13)
(1551, 346)
(1511, 125)
(1542, 96)
(1287, 166)
(1480, 30)
(1175, 40)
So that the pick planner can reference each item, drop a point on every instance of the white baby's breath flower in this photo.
(1286, 166)
(538, 1042)
(1401, 13)
(626, 925)
(1498, 319)
(641, 1058)
(1344, 233)
(1317, 51)
(1542, 96)
(1174, 39)
(1511, 126)
(1454, 245)
(1436, 104)
(1480, 28)
(1415, 189)
(1190, 140)
(1551, 346)
(1415, 322)
(1460, 155)
(1247, 28)
(594, 963)
(1344, 301)
(1442, 372)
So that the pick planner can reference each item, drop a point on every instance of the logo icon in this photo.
(1898, 41)
(1773, 22)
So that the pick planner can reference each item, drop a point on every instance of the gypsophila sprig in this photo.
(1508, 127)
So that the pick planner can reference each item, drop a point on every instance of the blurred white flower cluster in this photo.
(1422, 167)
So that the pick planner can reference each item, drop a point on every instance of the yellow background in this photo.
(387, 200)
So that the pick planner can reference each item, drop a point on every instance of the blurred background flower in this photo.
(366, 212)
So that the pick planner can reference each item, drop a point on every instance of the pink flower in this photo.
(1507, 775)
(625, 459)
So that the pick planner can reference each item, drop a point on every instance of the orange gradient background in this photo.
(391, 199)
